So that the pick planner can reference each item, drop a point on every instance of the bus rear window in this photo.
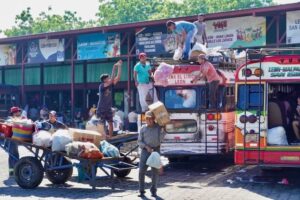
(181, 126)
(180, 98)
(250, 97)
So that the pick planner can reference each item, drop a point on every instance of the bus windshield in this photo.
(180, 98)
(250, 97)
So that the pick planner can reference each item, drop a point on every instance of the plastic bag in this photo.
(162, 73)
(60, 139)
(42, 138)
(277, 136)
(154, 160)
(178, 53)
(197, 49)
(109, 150)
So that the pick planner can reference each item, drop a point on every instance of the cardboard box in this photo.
(160, 112)
(86, 136)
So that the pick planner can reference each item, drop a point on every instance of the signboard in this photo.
(98, 45)
(293, 27)
(46, 50)
(155, 41)
(273, 71)
(8, 54)
(236, 32)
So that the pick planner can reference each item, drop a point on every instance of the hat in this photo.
(142, 55)
(15, 109)
(52, 112)
(202, 56)
(149, 114)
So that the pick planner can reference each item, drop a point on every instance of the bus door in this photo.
(250, 134)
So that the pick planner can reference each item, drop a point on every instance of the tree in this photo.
(45, 22)
(123, 11)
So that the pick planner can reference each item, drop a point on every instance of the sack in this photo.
(42, 138)
(162, 73)
(87, 150)
(154, 160)
(277, 136)
(178, 53)
(6, 129)
(22, 130)
(60, 139)
(109, 150)
(76, 148)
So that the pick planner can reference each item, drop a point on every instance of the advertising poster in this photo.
(293, 27)
(98, 45)
(236, 32)
(154, 41)
(7, 54)
(46, 50)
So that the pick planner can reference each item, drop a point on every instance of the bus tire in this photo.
(60, 176)
(123, 173)
(29, 172)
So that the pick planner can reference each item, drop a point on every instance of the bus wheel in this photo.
(29, 172)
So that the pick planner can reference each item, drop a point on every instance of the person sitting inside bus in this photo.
(296, 122)
(208, 71)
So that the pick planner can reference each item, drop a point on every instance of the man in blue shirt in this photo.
(186, 31)
(104, 108)
(142, 75)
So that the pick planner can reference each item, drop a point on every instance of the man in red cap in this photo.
(142, 74)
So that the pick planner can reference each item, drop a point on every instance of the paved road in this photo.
(206, 179)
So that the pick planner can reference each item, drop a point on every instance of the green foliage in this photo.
(45, 22)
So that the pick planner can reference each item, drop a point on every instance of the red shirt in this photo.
(209, 72)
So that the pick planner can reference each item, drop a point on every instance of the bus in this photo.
(194, 128)
(267, 88)
(9, 96)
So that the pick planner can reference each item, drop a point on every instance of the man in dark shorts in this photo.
(104, 108)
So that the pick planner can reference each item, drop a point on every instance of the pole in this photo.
(23, 77)
(72, 80)
(129, 73)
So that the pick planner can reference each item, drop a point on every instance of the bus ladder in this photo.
(247, 150)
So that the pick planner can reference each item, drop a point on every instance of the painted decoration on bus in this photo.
(8, 54)
(183, 75)
(236, 32)
(155, 41)
(293, 27)
(270, 71)
(98, 45)
(46, 50)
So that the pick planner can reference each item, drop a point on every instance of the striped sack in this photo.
(22, 132)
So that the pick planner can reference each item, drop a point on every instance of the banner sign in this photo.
(154, 41)
(98, 45)
(8, 54)
(293, 27)
(236, 32)
(46, 50)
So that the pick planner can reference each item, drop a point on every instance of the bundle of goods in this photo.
(6, 129)
(197, 49)
(162, 73)
(277, 136)
(86, 136)
(109, 150)
(178, 53)
(22, 130)
(84, 150)
(42, 138)
(60, 139)
(160, 112)
(94, 125)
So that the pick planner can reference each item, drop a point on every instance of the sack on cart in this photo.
(22, 130)
(60, 139)
(76, 147)
(90, 152)
(42, 139)
(109, 150)
(6, 130)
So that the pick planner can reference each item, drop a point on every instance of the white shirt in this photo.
(132, 117)
(117, 123)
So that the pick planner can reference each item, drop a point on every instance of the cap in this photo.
(142, 55)
(149, 114)
(14, 109)
(202, 56)
(52, 112)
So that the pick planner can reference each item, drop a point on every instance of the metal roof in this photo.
(263, 11)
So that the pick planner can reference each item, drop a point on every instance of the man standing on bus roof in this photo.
(208, 71)
(187, 31)
(104, 108)
(142, 78)
(201, 27)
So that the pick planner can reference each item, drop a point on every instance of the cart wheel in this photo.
(123, 173)
(59, 176)
(29, 172)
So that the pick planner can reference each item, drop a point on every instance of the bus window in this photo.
(180, 98)
(250, 97)
(181, 126)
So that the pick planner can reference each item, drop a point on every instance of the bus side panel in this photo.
(251, 141)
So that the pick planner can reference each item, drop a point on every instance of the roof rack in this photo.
(257, 54)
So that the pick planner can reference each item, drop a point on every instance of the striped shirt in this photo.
(150, 136)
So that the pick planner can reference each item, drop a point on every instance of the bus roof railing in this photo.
(259, 53)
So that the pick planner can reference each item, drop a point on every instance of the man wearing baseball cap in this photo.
(210, 74)
(55, 124)
(142, 74)
(149, 140)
